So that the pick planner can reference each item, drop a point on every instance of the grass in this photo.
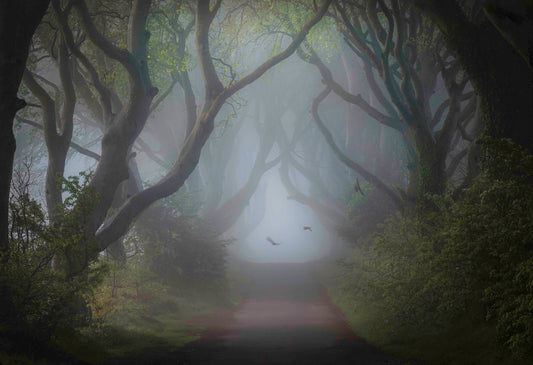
(131, 331)
(127, 332)
(134, 328)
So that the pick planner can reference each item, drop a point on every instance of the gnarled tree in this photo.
(485, 51)
(388, 38)
(123, 122)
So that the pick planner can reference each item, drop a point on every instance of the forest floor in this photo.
(286, 317)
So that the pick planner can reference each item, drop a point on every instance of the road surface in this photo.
(286, 318)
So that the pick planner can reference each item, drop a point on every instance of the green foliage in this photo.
(354, 199)
(146, 301)
(76, 208)
(75, 249)
(76, 305)
(291, 16)
(168, 55)
(248, 30)
(179, 249)
(130, 289)
(469, 260)
(502, 236)
(365, 213)
(46, 298)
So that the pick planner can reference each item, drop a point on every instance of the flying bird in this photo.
(274, 243)
(307, 228)
(357, 187)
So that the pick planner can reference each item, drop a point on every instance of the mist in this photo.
(283, 221)
(237, 182)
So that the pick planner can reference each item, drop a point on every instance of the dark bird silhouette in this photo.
(307, 228)
(357, 187)
(274, 243)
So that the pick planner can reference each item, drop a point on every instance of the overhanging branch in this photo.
(367, 175)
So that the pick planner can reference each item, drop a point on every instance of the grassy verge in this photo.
(129, 324)
(131, 331)
(126, 333)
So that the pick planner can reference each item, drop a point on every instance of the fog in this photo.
(278, 104)
(283, 221)
(249, 182)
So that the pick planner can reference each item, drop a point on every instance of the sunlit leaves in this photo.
(168, 49)
(244, 32)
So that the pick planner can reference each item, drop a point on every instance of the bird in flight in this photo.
(357, 187)
(274, 243)
(307, 228)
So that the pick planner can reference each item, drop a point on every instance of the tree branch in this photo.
(48, 105)
(162, 96)
(378, 93)
(329, 218)
(454, 163)
(291, 48)
(189, 156)
(442, 108)
(356, 36)
(357, 100)
(105, 94)
(371, 178)
(69, 94)
(145, 147)
(204, 17)
(112, 51)
(85, 151)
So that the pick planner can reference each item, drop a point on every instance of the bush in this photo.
(495, 220)
(46, 299)
(179, 249)
(471, 258)
(129, 288)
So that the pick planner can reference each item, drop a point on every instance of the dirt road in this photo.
(286, 318)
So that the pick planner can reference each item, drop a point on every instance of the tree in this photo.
(222, 218)
(57, 141)
(215, 96)
(15, 37)
(485, 54)
(395, 42)
(122, 121)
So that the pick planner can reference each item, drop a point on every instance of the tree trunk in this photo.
(227, 214)
(431, 166)
(57, 141)
(500, 75)
(116, 251)
(121, 133)
(15, 38)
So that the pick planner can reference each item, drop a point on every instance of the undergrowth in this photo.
(107, 308)
(452, 284)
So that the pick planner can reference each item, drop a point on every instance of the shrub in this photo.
(45, 298)
(179, 249)
(467, 258)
